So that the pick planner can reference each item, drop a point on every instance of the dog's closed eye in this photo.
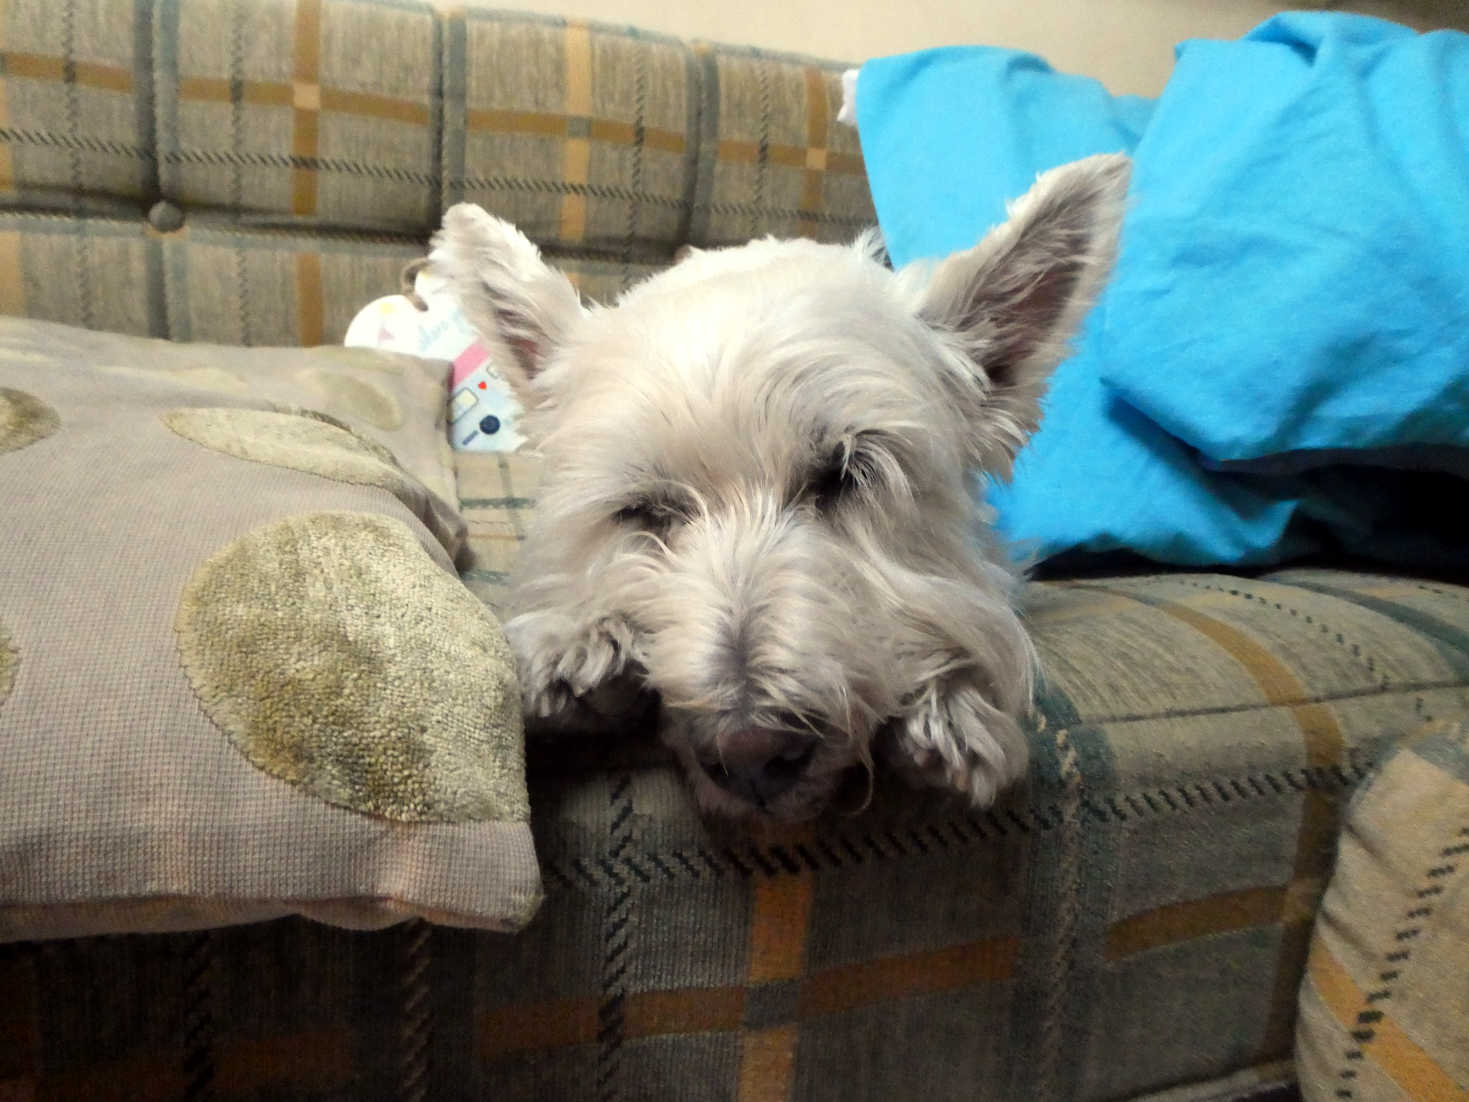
(651, 514)
(846, 470)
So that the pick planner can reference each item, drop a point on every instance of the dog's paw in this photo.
(565, 673)
(951, 736)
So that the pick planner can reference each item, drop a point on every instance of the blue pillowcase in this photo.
(950, 135)
(1292, 300)
(1300, 242)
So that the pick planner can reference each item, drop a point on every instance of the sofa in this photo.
(1133, 921)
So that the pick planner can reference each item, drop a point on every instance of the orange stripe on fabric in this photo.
(744, 151)
(779, 917)
(516, 122)
(217, 90)
(107, 78)
(1323, 744)
(817, 121)
(1276, 682)
(279, 94)
(576, 157)
(306, 118)
(768, 1064)
(12, 267)
(367, 105)
(1178, 922)
(308, 299)
(554, 125)
(1390, 1048)
(855, 985)
(88, 74)
(624, 133)
(525, 1028)
(1321, 733)
(311, 1060)
(694, 1010)
(7, 162)
(9, 258)
(556, 1024)
(307, 46)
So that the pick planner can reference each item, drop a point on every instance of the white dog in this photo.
(758, 500)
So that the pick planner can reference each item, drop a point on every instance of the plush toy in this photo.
(425, 320)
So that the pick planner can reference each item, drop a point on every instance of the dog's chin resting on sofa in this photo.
(758, 502)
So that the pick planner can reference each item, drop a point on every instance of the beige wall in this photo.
(1128, 44)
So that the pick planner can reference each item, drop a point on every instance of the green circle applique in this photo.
(359, 397)
(205, 377)
(302, 440)
(338, 657)
(9, 663)
(327, 419)
(24, 419)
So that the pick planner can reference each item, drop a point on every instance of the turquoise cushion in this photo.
(1288, 327)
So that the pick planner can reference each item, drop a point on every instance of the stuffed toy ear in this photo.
(520, 306)
(1010, 305)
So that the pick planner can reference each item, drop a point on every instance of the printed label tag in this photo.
(484, 414)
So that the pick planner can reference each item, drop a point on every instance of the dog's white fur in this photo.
(758, 499)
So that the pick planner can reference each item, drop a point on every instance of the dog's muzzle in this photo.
(760, 764)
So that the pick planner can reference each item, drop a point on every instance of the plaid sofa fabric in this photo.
(1384, 1010)
(1137, 917)
(216, 281)
(1132, 922)
(271, 139)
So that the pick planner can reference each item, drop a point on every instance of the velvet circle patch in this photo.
(9, 662)
(337, 656)
(302, 440)
(355, 395)
(24, 419)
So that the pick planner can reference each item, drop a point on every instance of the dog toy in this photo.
(425, 320)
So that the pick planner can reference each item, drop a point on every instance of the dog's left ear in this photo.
(520, 306)
(1011, 304)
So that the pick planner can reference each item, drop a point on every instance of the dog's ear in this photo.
(520, 306)
(1011, 304)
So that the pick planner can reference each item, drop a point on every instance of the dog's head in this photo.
(757, 497)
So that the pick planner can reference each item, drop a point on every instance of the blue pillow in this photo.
(1296, 270)
(950, 135)
(983, 122)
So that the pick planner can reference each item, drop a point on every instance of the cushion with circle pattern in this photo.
(239, 677)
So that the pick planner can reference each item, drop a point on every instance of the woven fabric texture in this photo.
(1384, 1011)
(257, 172)
(227, 693)
(1134, 921)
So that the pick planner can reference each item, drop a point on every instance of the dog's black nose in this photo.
(759, 764)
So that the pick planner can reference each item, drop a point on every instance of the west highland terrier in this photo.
(759, 502)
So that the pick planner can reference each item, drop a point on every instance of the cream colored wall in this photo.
(1128, 44)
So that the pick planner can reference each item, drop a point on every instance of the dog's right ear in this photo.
(1010, 305)
(520, 306)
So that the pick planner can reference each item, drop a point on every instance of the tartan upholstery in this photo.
(216, 282)
(1384, 1011)
(299, 163)
(1134, 920)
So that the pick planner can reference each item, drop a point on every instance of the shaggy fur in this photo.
(759, 501)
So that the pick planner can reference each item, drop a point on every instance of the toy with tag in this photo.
(483, 413)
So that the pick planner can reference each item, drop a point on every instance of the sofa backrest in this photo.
(254, 173)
